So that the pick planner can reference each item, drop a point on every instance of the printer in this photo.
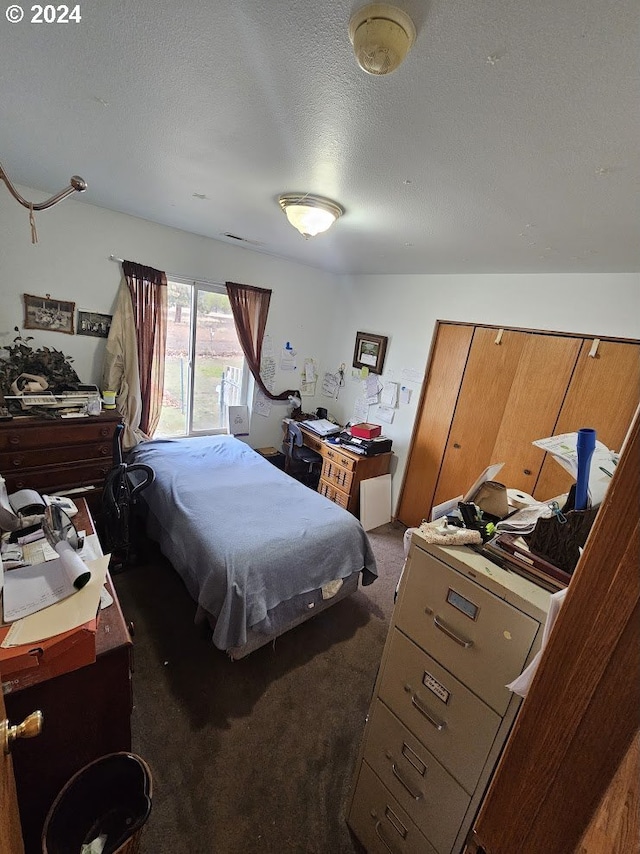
(365, 447)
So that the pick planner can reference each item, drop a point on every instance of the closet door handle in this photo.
(433, 720)
(464, 642)
(403, 782)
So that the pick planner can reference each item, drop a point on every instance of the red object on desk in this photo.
(28, 664)
(364, 430)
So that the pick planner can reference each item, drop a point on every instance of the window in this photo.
(204, 369)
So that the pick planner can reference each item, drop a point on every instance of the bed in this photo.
(258, 551)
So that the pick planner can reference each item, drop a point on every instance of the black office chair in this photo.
(300, 462)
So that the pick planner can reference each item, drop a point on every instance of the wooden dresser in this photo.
(342, 470)
(62, 453)
(461, 630)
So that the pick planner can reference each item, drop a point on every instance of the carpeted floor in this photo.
(255, 756)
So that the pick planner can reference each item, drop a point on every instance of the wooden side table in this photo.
(87, 714)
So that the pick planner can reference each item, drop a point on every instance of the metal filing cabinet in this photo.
(440, 715)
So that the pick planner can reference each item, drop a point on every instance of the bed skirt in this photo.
(286, 616)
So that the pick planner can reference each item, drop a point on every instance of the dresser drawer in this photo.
(24, 434)
(337, 475)
(379, 821)
(11, 460)
(429, 794)
(478, 636)
(335, 455)
(451, 722)
(66, 476)
(333, 494)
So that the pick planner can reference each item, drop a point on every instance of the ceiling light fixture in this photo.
(310, 214)
(382, 36)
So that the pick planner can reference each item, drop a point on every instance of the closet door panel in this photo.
(536, 396)
(484, 395)
(603, 394)
(448, 359)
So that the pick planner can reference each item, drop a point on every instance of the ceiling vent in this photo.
(382, 36)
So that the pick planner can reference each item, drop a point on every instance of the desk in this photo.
(87, 713)
(342, 470)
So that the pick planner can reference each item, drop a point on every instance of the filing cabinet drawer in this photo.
(451, 722)
(476, 635)
(380, 823)
(329, 491)
(429, 794)
(337, 475)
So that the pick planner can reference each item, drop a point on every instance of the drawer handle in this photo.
(433, 720)
(382, 839)
(104, 431)
(17, 462)
(451, 634)
(403, 782)
(14, 440)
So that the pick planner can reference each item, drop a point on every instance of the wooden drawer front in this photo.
(11, 461)
(336, 456)
(379, 821)
(67, 432)
(422, 787)
(341, 477)
(329, 491)
(486, 652)
(314, 443)
(451, 722)
(59, 477)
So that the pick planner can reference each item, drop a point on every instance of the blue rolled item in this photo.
(586, 445)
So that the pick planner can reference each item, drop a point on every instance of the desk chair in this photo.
(300, 462)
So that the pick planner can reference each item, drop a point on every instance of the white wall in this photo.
(71, 262)
(406, 308)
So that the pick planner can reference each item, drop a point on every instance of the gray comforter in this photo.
(243, 535)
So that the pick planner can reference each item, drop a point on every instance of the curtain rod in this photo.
(173, 276)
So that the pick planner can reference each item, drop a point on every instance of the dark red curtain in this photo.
(250, 307)
(148, 288)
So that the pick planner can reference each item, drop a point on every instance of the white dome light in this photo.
(310, 214)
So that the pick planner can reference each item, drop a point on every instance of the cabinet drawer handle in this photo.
(382, 839)
(104, 431)
(14, 440)
(17, 462)
(456, 445)
(433, 720)
(451, 634)
(527, 471)
(104, 451)
(403, 782)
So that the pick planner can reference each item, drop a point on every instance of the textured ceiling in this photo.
(507, 141)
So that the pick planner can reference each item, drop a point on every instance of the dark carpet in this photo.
(256, 755)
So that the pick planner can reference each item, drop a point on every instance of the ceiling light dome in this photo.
(310, 214)
(382, 36)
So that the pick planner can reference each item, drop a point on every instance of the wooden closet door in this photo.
(603, 394)
(532, 408)
(484, 395)
(435, 411)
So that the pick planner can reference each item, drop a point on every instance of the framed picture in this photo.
(370, 352)
(48, 313)
(92, 323)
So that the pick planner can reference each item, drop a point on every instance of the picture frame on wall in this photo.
(53, 315)
(370, 351)
(93, 323)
